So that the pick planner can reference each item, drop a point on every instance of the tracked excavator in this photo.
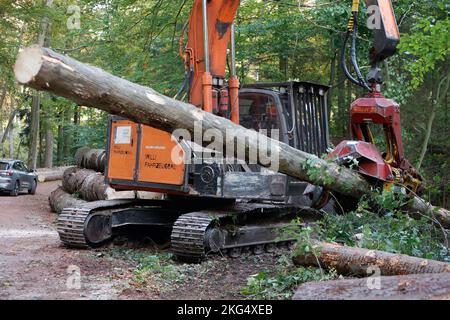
(211, 205)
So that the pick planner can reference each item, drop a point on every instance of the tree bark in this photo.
(90, 185)
(36, 101)
(94, 159)
(11, 142)
(60, 140)
(405, 287)
(43, 69)
(341, 126)
(359, 261)
(68, 112)
(8, 127)
(3, 94)
(48, 160)
(333, 62)
(59, 199)
(34, 132)
(50, 174)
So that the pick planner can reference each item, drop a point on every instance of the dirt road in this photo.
(34, 265)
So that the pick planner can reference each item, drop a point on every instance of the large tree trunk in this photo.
(48, 160)
(333, 63)
(9, 126)
(60, 140)
(406, 287)
(11, 142)
(341, 110)
(36, 101)
(43, 69)
(361, 262)
(4, 90)
(68, 113)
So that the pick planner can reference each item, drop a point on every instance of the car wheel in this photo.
(32, 190)
(16, 189)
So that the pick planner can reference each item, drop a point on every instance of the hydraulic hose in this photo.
(354, 61)
(352, 30)
(343, 61)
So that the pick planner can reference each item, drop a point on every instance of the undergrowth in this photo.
(155, 269)
(378, 223)
(279, 284)
(158, 272)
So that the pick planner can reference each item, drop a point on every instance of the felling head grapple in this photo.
(374, 109)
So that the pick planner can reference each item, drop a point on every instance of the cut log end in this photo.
(28, 64)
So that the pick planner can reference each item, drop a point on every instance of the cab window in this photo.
(258, 112)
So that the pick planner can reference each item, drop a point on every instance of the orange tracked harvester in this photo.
(210, 205)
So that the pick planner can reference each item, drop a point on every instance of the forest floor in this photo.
(34, 264)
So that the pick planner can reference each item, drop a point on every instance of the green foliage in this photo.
(158, 268)
(154, 268)
(383, 226)
(317, 172)
(284, 279)
(428, 45)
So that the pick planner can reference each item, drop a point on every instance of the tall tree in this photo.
(36, 101)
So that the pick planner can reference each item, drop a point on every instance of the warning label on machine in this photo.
(123, 135)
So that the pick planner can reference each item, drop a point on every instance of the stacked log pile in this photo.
(87, 183)
(90, 185)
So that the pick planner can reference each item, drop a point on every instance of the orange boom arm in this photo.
(210, 33)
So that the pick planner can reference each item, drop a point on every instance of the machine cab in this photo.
(298, 110)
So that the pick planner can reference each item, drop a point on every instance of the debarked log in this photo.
(44, 69)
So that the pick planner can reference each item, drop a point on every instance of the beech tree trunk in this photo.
(43, 69)
(360, 262)
(434, 286)
(48, 160)
(36, 101)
